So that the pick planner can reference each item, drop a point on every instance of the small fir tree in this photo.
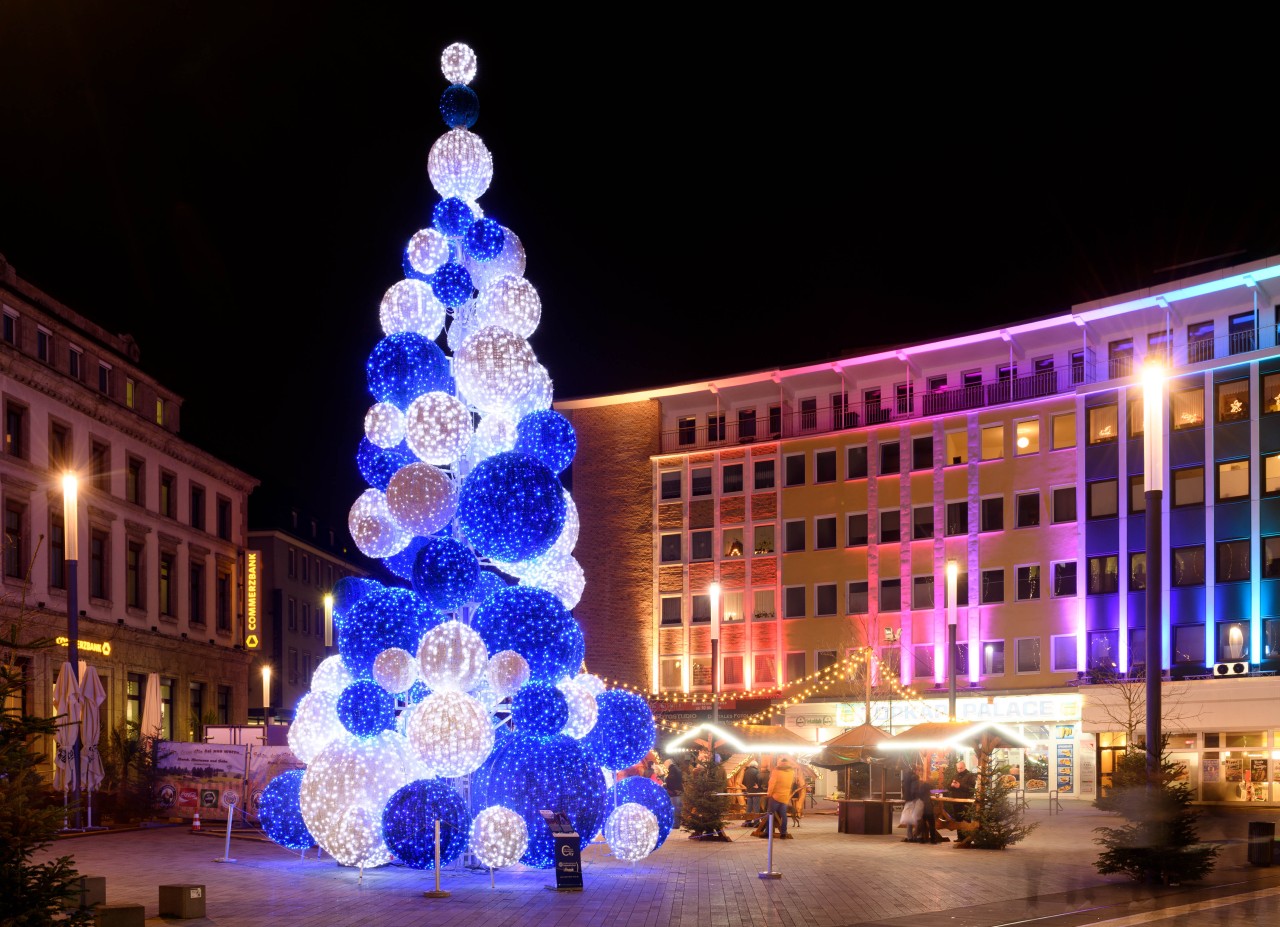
(704, 809)
(1160, 843)
(996, 822)
(1130, 772)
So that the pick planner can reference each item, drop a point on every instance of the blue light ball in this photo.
(646, 792)
(547, 436)
(527, 774)
(379, 464)
(444, 572)
(347, 591)
(459, 106)
(511, 507)
(484, 240)
(487, 583)
(405, 365)
(452, 285)
(452, 217)
(417, 692)
(365, 708)
(534, 624)
(401, 564)
(280, 813)
(625, 731)
(391, 617)
(408, 823)
(539, 708)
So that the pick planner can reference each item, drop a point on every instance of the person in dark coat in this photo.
(962, 786)
(751, 783)
(910, 792)
(674, 785)
(928, 830)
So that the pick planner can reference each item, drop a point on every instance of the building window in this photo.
(1233, 480)
(1137, 494)
(731, 606)
(841, 416)
(1271, 557)
(99, 574)
(746, 424)
(992, 586)
(134, 687)
(992, 442)
(1137, 571)
(794, 470)
(858, 599)
(1064, 430)
(1104, 574)
(59, 446)
(890, 526)
(1027, 509)
(993, 658)
(715, 426)
(1270, 391)
(762, 608)
(1104, 651)
(1120, 358)
(793, 536)
(957, 448)
(731, 479)
(890, 458)
(134, 590)
(700, 482)
(1232, 400)
(15, 539)
(1233, 562)
(922, 522)
(793, 602)
(10, 326)
(224, 518)
(167, 606)
(700, 545)
(1026, 437)
(1199, 342)
(763, 474)
(856, 457)
(687, 430)
(159, 411)
(808, 413)
(1188, 486)
(195, 592)
(306, 617)
(1233, 640)
(700, 608)
(856, 529)
(962, 658)
(1271, 474)
(168, 495)
(1064, 578)
(130, 392)
(824, 467)
(1064, 504)
(764, 670)
(1103, 499)
(731, 671)
(922, 453)
(57, 547)
(957, 518)
(824, 532)
(922, 592)
(197, 507)
(1103, 424)
(75, 363)
(104, 378)
(775, 420)
(992, 509)
(1242, 334)
(763, 539)
(1186, 408)
(134, 485)
(222, 601)
(1188, 566)
(44, 344)
(890, 595)
(15, 430)
(1028, 649)
(1028, 582)
(670, 610)
(824, 599)
(670, 483)
(1188, 641)
(732, 542)
(962, 589)
(905, 393)
(1063, 651)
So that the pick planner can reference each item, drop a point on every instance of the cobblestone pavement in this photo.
(828, 880)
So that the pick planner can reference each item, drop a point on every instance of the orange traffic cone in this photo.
(195, 824)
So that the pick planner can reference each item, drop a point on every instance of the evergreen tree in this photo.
(1160, 842)
(704, 810)
(31, 893)
(996, 823)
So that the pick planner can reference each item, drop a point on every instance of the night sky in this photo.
(234, 186)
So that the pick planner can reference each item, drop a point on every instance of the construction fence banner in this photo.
(204, 777)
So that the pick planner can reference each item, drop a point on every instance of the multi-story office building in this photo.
(161, 525)
(827, 500)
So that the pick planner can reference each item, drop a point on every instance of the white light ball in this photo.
(428, 249)
(315, 725)
(331, 676)
(499, 837)
(373, 527)
(411, 306)
(356, 840)
(462, 325)
(451, 734)
(631, 830)
(396, 670)
(422, 498)
(494, 368)
(384, 424)
(460, 165)
(438, 428)
(592, 683)
(560, 574)
(510, 302)
(495, 433)
(458, 64)
(507, 672)
(583, 710)
(485, 694)
(537, 398)
(452, 657)
(568, 538)
(510, 260)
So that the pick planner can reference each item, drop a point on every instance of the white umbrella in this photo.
(66, 705)
(150, 726)
(92, 695)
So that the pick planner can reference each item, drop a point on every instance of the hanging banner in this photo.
(265, 763)
(194, 777)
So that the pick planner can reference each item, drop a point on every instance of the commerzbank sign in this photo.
(1008, 709)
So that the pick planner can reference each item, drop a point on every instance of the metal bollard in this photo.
(769, 873)
(437, 892)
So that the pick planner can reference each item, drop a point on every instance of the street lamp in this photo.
(953, 573)
(1153, 383)
(71, 545)
(715, 654)
(266, 694)
(328, 619)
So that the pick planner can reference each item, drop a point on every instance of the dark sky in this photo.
(233, 184)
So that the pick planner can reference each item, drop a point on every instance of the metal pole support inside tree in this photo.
(1153, 378)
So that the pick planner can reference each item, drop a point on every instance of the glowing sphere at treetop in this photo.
(535, 625)
(511, 508)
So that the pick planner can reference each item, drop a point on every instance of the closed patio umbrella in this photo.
(150, 726)
(66, 705)
(92, 695)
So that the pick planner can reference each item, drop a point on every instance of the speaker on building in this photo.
(1231, 669)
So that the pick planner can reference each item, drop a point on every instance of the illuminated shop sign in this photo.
(102, 647)
(1005, 709)
(251, 639)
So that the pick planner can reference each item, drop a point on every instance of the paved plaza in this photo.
(829, 879)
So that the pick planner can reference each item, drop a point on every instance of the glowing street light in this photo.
(953, 572)
(266, 694)
(1153, 390)
(71, 545)
(715, 653)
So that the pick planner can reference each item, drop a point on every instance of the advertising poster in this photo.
(194, 777)
(1064, 775)
(265, 763)
(1234, 770)
(1210, 771)
(1088, 754)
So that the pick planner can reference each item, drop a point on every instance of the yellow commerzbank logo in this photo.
(102, 647)
(251, 600)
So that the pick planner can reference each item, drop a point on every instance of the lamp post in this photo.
(71, 544)
(328, 619)
(953, 573)
(266, 694)
(1153, 382)
(715, 658)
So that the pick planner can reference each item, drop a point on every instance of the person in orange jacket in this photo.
(781, 784)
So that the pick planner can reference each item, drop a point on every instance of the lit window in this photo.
(1064, 430)
(1233, 480)
(957, 448)
(1271, 475)
(1188, 486)
(1027, 437)
(1027, 509)
(1232, 401)
(1103, 499)
(1186, 408)
(993, 442)
(1103, 424)
(1028, 582)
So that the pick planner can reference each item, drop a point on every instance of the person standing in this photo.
(911, 808)
(962, 786)
(750, 784)
(781, 783)
(928, 829)
(674, 785)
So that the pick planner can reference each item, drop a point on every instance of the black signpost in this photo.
(568, 852)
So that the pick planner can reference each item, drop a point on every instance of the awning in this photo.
(954, 735)
(856, 745)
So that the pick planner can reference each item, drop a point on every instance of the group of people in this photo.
(781, 786)
(917, 795)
